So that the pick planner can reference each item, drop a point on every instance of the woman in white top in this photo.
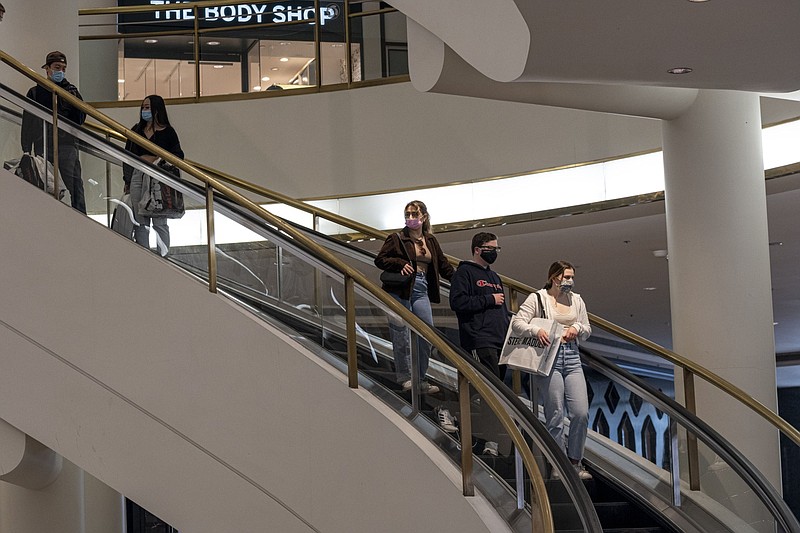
(564, 390)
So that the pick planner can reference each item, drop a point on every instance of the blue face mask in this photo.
(566, 285)
(147, 115)
(58, 76)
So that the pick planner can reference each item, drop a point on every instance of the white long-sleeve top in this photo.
(520, 324)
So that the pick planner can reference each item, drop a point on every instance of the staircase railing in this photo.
(353, 280)
(516, 288)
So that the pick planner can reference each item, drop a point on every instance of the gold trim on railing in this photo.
(538, 490)
(512, 284)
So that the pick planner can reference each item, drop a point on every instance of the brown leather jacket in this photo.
(392, 258)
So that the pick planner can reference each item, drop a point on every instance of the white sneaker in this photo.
(446, 420)
(490, 448)
(427, 388)
(582, 472)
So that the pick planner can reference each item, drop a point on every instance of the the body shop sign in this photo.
(227, 15)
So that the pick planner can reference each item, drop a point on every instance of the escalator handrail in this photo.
(539, 491)
(676, 359)
(523, 415)
(713, 439)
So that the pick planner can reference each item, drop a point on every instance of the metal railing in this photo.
(541, 513)
(689, 368)
(193, 20)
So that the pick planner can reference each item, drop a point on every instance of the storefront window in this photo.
(248, 47)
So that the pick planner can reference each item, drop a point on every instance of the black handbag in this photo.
(396, 281)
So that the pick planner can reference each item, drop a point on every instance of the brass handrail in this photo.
(682, 362)
(685, 364)
(538, 489)
(674, 358)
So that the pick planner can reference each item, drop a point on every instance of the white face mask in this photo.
(566, 285)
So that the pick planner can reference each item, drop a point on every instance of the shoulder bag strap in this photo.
(541, 305)
(403, 247)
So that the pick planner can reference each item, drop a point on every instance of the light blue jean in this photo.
(420, 305)
(565, 390)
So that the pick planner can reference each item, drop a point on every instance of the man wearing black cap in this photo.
(69, 165)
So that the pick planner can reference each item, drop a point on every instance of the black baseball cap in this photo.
(54, 56)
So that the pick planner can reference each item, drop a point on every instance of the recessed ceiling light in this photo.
(284, 59)
(190, 42)
(151, 41)
(649, 288)
(120, 81)
(285, 43)
(274, 69)
(213, 43)
(257, 88)
(265, 78)
(680, 70)
(219, 66)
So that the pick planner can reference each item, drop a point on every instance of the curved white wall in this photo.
(391, 136)
(188, 405)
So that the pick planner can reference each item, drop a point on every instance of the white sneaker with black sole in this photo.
(446, 420)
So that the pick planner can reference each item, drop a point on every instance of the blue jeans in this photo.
(565, 388)
(420, 305)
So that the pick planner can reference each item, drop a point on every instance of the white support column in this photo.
(59, 507)
(719, 267)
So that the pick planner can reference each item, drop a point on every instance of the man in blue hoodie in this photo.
(477, 297)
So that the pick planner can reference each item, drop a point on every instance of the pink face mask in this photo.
(413, 223)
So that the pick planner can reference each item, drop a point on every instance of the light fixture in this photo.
(265, 78)
(285, 43)
(151, 41)
(284, 59)
(649, 288)
(680, 70)
(120, 81)
(257, 88)
(274, 69)
(659, 253)
(219, 66)
(213, 43)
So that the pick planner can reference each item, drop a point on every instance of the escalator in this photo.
(301, 297)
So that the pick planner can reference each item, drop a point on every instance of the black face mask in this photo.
(490, 256)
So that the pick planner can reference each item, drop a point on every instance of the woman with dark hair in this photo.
(154, 126)
(415, 252)
(564, 390)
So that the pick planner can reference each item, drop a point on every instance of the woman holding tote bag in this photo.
(154, 125)
(565, 388)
